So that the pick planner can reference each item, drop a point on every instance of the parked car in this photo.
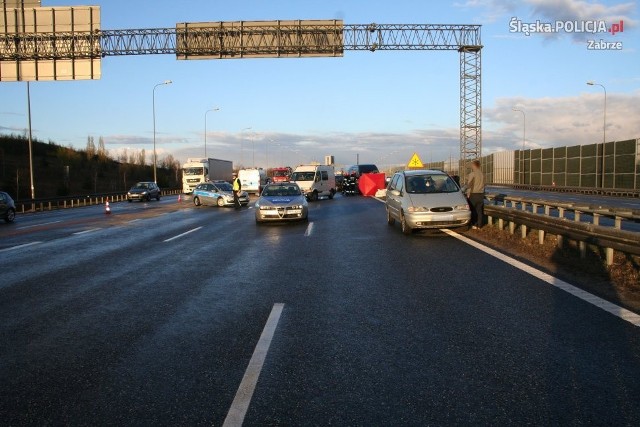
(144, 191)
(253, 180)
(359, 170)
(218, 193)
(281, 201)
(352, 176)
(315, 181)
(7, 207)
(422, 199)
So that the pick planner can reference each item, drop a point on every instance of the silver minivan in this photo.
(422, 199)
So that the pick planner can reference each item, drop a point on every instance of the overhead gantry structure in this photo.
(242, 39)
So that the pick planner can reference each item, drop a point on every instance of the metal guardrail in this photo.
(616, 192)
(538, 215)
(55, 203)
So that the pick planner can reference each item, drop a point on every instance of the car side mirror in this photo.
(395, 193)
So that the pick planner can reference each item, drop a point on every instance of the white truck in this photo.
(197, 171)
(315, 181)
(253, 180)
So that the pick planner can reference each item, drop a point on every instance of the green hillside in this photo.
(64, 171)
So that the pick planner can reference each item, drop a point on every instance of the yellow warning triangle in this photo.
(415, 162)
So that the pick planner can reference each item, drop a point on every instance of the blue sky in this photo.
(381, 105)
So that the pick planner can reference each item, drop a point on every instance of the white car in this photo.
(281, 201)
(422, 199)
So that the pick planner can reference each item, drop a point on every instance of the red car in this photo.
(281, 174)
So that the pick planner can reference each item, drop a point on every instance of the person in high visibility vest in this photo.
(237, 189)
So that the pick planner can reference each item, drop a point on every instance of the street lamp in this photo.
(524, 138)
(604, 124)
(33, 192)
(205, 129)
(155, 159)
(242, 146)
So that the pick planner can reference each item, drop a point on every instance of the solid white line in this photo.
(309, 230)
(38, 225)
(240, 405)
(133, 220)
(183, 234)
(91, 230)
(614, 309)
(19, 246)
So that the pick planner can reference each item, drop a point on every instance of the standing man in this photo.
(475, 192)
(237, 188)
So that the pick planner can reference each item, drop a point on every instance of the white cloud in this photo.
(570, 120)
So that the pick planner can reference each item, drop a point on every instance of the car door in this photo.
(395, 201)
(324, 187)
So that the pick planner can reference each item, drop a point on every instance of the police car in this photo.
(218, 193)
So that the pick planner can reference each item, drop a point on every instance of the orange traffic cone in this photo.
(107, 208)
(179, 198)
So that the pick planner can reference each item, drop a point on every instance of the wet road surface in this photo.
(150, 316)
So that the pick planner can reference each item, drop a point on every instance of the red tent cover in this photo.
(369, 183)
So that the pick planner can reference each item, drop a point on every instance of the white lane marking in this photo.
(240, 404)
(38, 225)
(91, 230)
(183, 234)
(19, 246)
(614, 309)
(309, 230)
(133, 220)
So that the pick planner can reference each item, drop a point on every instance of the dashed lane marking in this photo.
(607, 306)
(38, 225)
(240, 404)
(183, 234)
(91, 230)
(26, 245)
(309, 230)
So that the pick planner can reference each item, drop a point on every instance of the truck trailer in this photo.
(197, 171)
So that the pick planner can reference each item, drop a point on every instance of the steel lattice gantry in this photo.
(274, 41)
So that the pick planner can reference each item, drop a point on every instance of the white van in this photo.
(315, 181)
(253, 180)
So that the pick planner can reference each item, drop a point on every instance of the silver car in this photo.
(422, 199)
(281, 201)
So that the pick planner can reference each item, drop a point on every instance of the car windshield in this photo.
(193, 171)
(224, 186)
(303, 176)
(141, 186)
(281, 173)
(281, 190)
(427, 184)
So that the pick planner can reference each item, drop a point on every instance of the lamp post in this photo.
(205, 129)
(604, 124)
(33, 192)
(155, 158)
(242, 146)
(524, 138)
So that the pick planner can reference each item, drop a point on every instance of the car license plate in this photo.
(445, 218)
(294, 211)
(270, 212)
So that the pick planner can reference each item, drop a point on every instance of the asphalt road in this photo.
(133, 322)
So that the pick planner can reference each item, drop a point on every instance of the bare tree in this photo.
(103, 155)
(91, 148)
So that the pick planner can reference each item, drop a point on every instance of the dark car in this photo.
(359, 170)
(144, 191)
(7, 207)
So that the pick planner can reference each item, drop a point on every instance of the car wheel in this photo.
(220, 202)
(331, 194)
(129, 200)
(406, 230)
(158, 197)
(390, 220)
(314, 196)
(11, 216)
(196, 201)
